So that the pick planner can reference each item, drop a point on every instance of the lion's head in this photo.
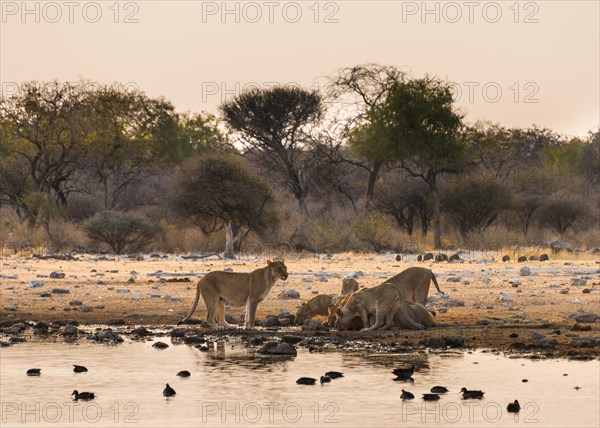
(278, 269)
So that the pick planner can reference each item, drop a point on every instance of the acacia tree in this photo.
(358, 91)
(272, 125)
(217, 192)
(418, 126)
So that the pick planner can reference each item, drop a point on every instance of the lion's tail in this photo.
(194, 306)
(434, 279)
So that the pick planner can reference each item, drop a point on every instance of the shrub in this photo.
(560, 214)
(121, 232)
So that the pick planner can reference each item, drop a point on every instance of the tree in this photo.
(121, 231)
(360, 90)
(47, 131)
(418, 126)
(560, 213)
(272, 125)
(474, 205)
(217, 192)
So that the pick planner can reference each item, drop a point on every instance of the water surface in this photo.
(229, 386)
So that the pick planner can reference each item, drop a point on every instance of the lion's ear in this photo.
(269, 263)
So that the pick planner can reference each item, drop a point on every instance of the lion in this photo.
(417, 312)
(318, 305)
(413, 284)
(220, 288)
(383, 301)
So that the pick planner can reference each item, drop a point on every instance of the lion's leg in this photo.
(211, 309)
(379, 318)
(250, 314)
(220, 315)
(364, 316)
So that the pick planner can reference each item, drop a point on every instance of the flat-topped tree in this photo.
(272, 126)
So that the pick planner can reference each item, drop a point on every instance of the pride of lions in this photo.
(398, 302)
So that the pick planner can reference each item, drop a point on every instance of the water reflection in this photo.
(231, 386)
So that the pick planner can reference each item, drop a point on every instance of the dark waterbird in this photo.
(306, 381)
(404, 373)
(471, 394)
(79, 369)
(431, 397)
(439, 389)
(325, 379)
(407, 395)
(83, 395)
(514, 407)
(184, 373)
(34, 372)
(168, 391)
(334, 375)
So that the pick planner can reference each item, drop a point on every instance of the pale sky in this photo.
(543, 69)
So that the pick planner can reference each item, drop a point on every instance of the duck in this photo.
(79, 369)
(83, 395)
(439, 389)
(407, 395)
(306, 381)
(471, 394)
(168, 391)
(184, 373)
(431, 397)
(334, 375)
(34, 372)
(514, 407)
(325, 379)
(404, 373)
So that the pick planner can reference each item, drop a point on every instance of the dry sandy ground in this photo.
(546, 299)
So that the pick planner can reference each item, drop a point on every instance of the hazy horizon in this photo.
(196, 54)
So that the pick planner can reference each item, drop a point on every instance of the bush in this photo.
(121, 232)
(560, 214)
(473, 206)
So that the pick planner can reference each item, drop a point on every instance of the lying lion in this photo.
(220, 288)
(383, 301)
(319, 305)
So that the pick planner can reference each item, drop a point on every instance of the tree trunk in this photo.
(229, 241)
(437, 240)
(373, 173)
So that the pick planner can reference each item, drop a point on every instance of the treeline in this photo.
(380, 161)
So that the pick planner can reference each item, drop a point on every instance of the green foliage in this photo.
(375, 229)
(120, 231)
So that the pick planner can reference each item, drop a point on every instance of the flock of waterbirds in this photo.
(402, 374)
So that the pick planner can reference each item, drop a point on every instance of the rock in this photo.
(564, 291)
(482, 322)
(57, 275)
(525, 271)
(580, 327)
(505, 297)
(398, 257)
(578, 281)
(444, 342)
(428, 256)
(453, 303)
(101, 282)
(172, 298)
(41, 327)
(10, 308)
(283, 312)
(545, 343)
(142, 332)
(232, 319)
(85, 308)
(278, 348)
(466, 282)
(454, 258)
(75, 303)
(356, 274)
(587, 318)
(522, 259)
(122, 290)
(70, 330)
(432, 299)
(271, 321)
(506, 258)
(585, 342)
(453, 279)
(576, 302)
(553, 286)
(307, 279)
(514, 281)
(135, 298)
(313, 325)
(289, 294)
(533, 258)
(61, 291)
(419, 258)
(441, 258)
(486, 280)
(537, 335)
(35, 284)
(160, 345)
(107, 336)
(292, 339)
(322, 278)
